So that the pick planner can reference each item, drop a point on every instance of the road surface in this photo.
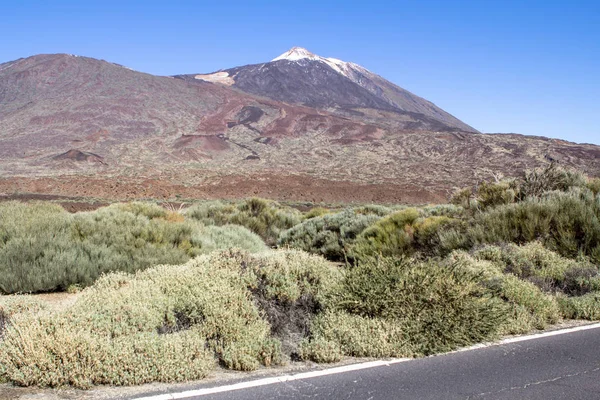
(564, 366)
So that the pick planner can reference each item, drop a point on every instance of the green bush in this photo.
(553, 177)
(462, 198)
(542, 308)
(167, 323)
(439, 307)
(44, 248)
(148, 210)
(568, 223)
(392, 235)
(329, 235)
(545, 268)
(442, 210)
(375, 209)
(264, 217)
(316, 212)
(356, 336)
(320, 350)
(405, 232)
(582, 307)
(497, 193)
(593, 184)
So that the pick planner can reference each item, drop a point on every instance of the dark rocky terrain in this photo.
(296, 128)
(301, 77)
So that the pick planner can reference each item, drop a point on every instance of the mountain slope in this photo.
(78, 126)
(301, 77)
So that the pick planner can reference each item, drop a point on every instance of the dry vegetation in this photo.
(169, 296)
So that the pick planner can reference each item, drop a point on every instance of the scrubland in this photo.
(166, 296)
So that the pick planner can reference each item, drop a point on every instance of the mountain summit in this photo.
(301, 77)
(296, 53)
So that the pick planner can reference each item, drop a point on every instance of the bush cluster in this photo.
(44, 248)
(406, 232)
(330, 235)
(566, 222)
(505, 258)
(264, 217)
(533, 183)
(402, 307)
(167, 323)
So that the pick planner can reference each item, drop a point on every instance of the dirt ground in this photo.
(282, 188)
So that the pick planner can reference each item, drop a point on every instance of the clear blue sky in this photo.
(525, 66)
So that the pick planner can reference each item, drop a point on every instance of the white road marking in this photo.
(348, 368)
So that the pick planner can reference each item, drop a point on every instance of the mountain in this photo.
(301, 127)
(301, 77)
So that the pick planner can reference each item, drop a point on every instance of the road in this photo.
(565, 366)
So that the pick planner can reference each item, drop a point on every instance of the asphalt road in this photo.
(565, 366)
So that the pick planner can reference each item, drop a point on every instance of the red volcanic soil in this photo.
(296, 188)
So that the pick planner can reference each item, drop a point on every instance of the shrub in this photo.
(148, 210)
(542, 308)
(330, 235)
(13, 305)
(392, 235)
(263, 217)
(582, 307)
(593, 184)
(405, 232)
(546, 268)
(290, 287)
(495, 194)
(356, 336)
(567, 223)
(316, 212)
(440, 307)
(375, 209)
(167, 323)
(442, 210)
(44, 248)
(320, 350)
(462, 197)
(553, 177)
(44, 352)
(207, 239)
(579, 281)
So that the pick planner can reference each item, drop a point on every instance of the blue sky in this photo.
(528, 66)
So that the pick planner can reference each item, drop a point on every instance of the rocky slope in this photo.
(301, 77)
(78, 126)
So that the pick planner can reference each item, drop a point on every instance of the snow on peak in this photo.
(296, 53)
(347, 69)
